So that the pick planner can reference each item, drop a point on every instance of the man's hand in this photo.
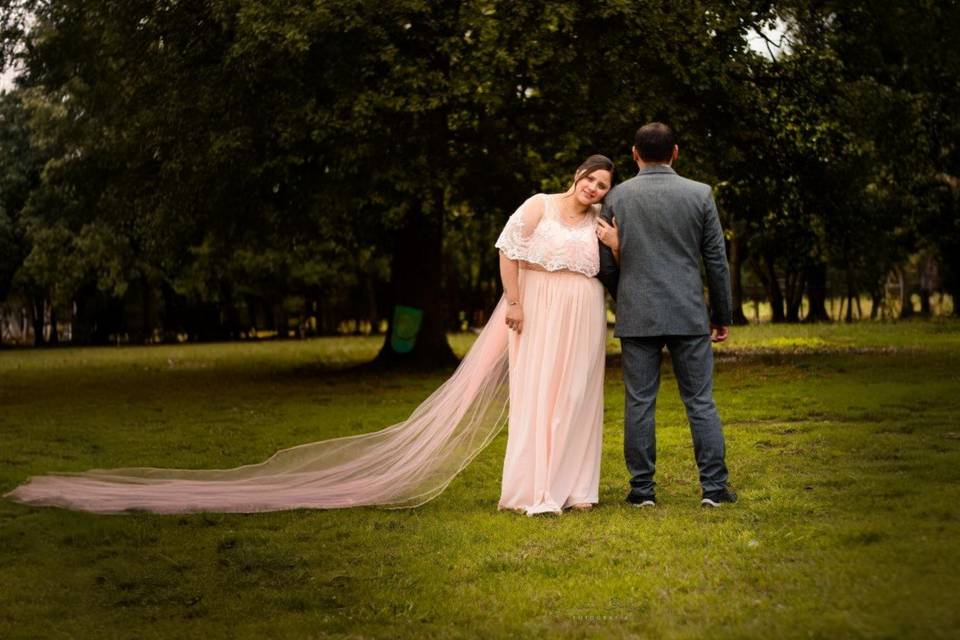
(719, 332)
(515, 317)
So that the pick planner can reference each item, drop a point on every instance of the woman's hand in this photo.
(609, 234)
(515, 317)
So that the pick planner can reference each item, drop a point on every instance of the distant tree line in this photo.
(217, 169)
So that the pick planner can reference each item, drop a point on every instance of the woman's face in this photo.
(592, 188)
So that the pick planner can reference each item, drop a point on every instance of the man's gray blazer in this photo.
(667, 225)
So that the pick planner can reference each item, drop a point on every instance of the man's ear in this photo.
(676, 152)
(635, 154)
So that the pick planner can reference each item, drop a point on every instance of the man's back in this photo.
(667, 224)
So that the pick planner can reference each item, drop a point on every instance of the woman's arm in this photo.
(510, 276)
(514, 243)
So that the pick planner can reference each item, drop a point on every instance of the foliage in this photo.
(216, 168)
(19, 173)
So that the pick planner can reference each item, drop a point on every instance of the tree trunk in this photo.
(876, 300)
(54, 338)
(203, 322)
(172, 318)
(925, 303)
(149, 311)
(794, 296)
(37, 307)
(135, 312)
(851, 291)
(372, 315)
(929, 280)
(775, 293)
(229, 313)
(281, 320)
(416, 283)
(817, 294)
(767, 275)
(736, 280)
(906, 305)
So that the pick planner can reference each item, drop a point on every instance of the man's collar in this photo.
(656, 168)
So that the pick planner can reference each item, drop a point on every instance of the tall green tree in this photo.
(20, 166)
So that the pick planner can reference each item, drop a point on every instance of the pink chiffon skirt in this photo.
(556, 394)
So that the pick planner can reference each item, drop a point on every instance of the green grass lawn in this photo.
(843, 443)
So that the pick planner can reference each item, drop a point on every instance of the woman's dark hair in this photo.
(594, 163)
(655, 142)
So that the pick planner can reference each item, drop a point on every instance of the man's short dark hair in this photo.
(655, 142)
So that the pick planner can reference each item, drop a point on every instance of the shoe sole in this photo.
(645, 503)
(707, 502)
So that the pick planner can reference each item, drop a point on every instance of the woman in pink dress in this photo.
(543, 349)
(548, 259)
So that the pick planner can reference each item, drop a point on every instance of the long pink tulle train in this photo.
(404, 465)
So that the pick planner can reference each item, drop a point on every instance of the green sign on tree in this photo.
(406, 326)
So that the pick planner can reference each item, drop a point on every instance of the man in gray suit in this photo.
(666, 225)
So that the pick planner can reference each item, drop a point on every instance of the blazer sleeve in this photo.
(609, 273)
(714, 256)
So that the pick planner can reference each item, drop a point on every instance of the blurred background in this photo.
(185, 170)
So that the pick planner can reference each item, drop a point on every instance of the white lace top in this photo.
(536, 233)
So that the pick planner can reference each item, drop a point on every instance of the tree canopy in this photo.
(214, 169)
